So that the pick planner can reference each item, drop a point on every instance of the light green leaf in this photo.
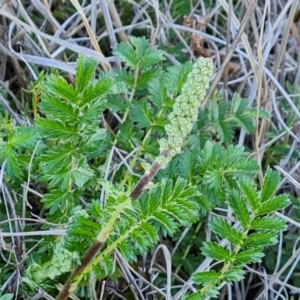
(235, 274)
(58, 199)
(85, 70)
(57, 158)
(271, 182)
(261, 239)
(250, 193)
(269, 223)
(217, 252)
(239, 208)
(81, 175)
(276, 203)
(236, 101)
(25, 137)
(141, 113)
(127, 252)
(166, 222)
(97, 90)
(7, 297)
(207, 278)
(249, 256)
(226, 231)
(58, 109)
(12, 166)
(157, 91)
(150, 58)
(59, 87)
(127, 55)
(56, 130)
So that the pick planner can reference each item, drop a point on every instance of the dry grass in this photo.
(261, 44)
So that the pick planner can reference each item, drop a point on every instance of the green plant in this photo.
(102, 205)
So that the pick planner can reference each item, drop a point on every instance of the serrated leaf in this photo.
(58, 109)
(85, 70)
(176, 76)
(239, 208)
(56, 158)
(127, 55)
(271, 182)
(92, 111)
(186, 164)
(128, 135)
(236, 101)
(81, 175)
(226, 231)
(108, 265)
(56, 130)
(146, 77)
(217, 252)
(95, 141)
(149, 58)
(249, 256)
(249, 192)
(97, 90)
(225, 130)
(58, 86)
(207, 278)
(140, 44)
(234, 274)
(25, 137)
(157, 92)
(166, 222)
(141, 113)
(116, 103)
(150, 232)
(127, 251)
(261, 239)
(12, 166)
(269, 223)
(58, 199)
(276, 203)
(195, 296)
(245, 121)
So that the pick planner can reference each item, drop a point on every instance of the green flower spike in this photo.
(185, 110)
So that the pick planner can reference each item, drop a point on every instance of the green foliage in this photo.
(85, 166)
(245, 242)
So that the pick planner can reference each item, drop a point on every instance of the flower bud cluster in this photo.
(185, 109)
